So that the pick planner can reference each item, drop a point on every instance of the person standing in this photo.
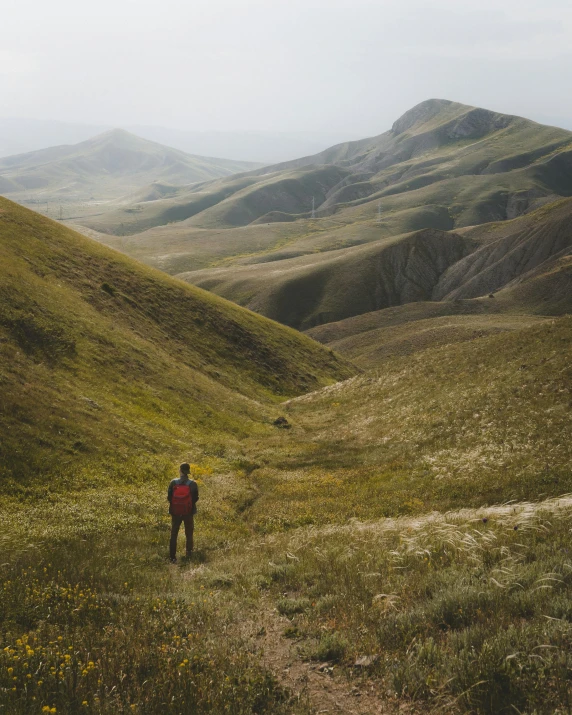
(183, 495)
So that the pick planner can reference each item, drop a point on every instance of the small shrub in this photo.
(331, 647)
(108, 288)
(291, 606)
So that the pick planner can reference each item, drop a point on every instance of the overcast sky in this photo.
(343, 66)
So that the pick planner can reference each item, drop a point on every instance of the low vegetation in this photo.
(408, 533)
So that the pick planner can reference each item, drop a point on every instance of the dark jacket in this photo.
(194, 491)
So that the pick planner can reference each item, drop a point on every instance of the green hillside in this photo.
(103, 357)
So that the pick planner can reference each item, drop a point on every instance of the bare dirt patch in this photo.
(315, 684)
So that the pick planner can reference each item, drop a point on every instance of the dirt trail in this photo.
(310, 682)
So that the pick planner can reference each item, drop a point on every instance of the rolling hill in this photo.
(103, 356)
(425, 265)
(442, 165)
(453, 202)
(103, 168)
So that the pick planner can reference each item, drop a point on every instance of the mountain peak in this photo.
(423, 112)
(117, 137)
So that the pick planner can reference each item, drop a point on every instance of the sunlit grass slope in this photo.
(467, 424)
(103, 356)
(461, 425)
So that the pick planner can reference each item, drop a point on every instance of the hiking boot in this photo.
(173, 560)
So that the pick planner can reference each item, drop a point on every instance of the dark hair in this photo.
(185, 468)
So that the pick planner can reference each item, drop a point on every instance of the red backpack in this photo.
(181, 500)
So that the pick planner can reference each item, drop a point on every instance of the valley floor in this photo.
(404, 546)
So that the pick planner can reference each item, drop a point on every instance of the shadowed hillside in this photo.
(533, 267)
(426, 265)
(509, 251)
(303, 292)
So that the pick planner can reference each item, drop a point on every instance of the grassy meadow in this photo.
(416, 516)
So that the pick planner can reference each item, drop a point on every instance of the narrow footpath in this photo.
(312, 683)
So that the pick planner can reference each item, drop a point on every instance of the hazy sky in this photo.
(349, 66)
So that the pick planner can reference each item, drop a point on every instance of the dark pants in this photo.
(176, 522)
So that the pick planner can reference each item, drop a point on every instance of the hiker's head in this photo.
(185, 469)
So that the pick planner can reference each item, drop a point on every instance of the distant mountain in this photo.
(392, 218)
(18, 135)
(442, 165)
(105, 167)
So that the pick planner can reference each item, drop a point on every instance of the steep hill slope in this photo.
(102, 356)
(103, 168)
(303, 292)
